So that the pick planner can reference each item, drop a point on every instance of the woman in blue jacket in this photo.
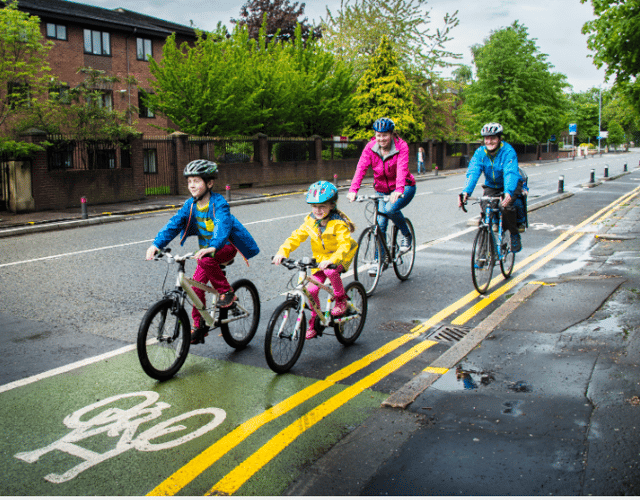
(220, 236)
(498, 161)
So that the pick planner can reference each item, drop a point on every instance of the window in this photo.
(60, 94)
(144, 49)
(97, 42)
(105, 159)
(102, 99)
(150, 161)
(58, 31)
(144, 110)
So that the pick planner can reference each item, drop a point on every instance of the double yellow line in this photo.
(230, 483)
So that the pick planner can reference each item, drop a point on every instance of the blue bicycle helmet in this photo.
(322, 192)
(384, 125)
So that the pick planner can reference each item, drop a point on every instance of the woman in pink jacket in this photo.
(388, 156)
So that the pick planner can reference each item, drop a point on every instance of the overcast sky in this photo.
(556, 25)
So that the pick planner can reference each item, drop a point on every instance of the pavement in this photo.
(541, 398)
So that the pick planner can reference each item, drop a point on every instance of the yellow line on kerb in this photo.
(229, 484)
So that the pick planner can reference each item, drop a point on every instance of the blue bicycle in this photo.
(492, 242)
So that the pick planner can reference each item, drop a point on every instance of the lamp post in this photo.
(599, 117)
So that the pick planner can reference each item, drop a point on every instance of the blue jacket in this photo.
(500, 171)
(225, 227)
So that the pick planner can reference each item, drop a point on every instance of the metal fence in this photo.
(65, 153)
(223, 149)
(4, 182)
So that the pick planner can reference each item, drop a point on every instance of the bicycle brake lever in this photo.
(462, 202)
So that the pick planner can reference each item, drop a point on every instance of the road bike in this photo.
(164, 335)
(367, 266)
(492, 242)
(287, 327)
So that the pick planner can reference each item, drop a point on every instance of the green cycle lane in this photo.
(108, 429)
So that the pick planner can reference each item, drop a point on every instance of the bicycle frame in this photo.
(184, 286)
(486, 221)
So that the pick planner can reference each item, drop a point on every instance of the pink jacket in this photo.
(389, 174)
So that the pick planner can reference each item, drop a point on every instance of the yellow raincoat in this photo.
(334, 243)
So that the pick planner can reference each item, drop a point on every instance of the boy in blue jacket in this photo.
(220, 236)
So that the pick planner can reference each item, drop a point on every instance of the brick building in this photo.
(117, 41)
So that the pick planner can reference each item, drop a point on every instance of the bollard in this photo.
(335, 180)
(228, 188)
(625, 167)
(561, 184)
(83, 206)
(606, 171)
(592, 179)
(436, 169)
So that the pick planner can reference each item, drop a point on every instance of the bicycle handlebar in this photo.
(303, 263)
(172, 258)
(365, 197)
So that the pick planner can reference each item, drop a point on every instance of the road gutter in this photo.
(408, 393)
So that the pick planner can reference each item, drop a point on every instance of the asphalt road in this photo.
(73, 294)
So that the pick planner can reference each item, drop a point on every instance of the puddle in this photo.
(511, 408)
(463, 379)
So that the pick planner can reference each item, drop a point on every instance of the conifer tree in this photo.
(384, 90)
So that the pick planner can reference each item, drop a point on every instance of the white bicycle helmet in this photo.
(201, 168)
(491, 129)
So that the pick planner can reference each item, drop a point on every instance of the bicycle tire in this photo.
(282, 343)
(366, 259)
(403, 264)
(239, 333)
(508, 258)
(163, 340)
(482, 260)
(349, 331)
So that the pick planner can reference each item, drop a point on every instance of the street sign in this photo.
(573, 129)
(603, 134)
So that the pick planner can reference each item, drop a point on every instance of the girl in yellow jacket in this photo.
(331, 243)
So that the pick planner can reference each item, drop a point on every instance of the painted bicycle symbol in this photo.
(116, 422)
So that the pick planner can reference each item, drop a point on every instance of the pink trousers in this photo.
(208, 270)
(333, 275)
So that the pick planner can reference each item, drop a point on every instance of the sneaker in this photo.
(405, 246)
(495, 228)
(311, 331)
(516, 244)
(198, 334)
(521, 228)
(227, 299)
(340, 308)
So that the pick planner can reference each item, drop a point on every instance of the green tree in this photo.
(584, 111)
(24, 71)
(384, 90)
(620, 108)
(355, 31)
(614, 36)
(515, 86)
(242, 86)
(616, 134)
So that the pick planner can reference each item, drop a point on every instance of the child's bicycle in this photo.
(490, 245)
(287, 327)
(367, 267)
(164, 335)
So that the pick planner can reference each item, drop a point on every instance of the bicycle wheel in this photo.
(403, 263)
(244, 313)
(482, 260)
(367, 267)
(285, 336)
(348, 331)
(507, 257)
(163, 340)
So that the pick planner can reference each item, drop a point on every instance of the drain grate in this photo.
(448, 333)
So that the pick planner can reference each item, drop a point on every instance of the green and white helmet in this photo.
(201, 168)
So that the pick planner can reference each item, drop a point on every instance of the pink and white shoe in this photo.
(340, 308)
